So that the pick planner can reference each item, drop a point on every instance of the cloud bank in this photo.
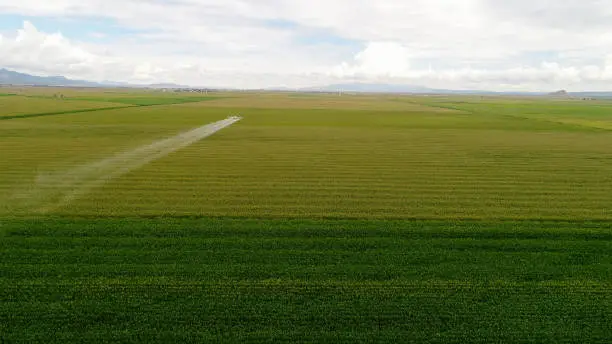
(536, 45)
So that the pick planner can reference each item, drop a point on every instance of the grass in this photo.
(120, 280)
(36, 105)
(54, 113)
(18, 106)
(151, 100)
(566, 112)
(314, 219)
(353, 163)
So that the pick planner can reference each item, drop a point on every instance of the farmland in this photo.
(316, 218)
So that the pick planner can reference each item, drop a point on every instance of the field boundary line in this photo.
(454, 109)
(65, 112)
(78, 111)
(557, 122)
(514, 116)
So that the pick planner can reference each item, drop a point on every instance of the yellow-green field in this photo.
(329, 156)
(315, 218)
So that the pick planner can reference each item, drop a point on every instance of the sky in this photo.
(498, 45)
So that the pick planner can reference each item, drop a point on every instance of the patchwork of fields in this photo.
(316, 218)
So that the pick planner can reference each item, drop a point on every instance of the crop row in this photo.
(158, 280)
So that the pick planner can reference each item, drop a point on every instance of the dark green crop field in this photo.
(315, 218)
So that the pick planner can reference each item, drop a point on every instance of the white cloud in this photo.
(33, 51)
(378, 59)
(38, 51)
(545, 76)
(535, 44)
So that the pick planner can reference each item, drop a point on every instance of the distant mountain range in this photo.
(413, 89)
(560, 94)
(167, 85)
(9, 77)
(387, 88)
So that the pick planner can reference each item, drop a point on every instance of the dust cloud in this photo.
(54, 190)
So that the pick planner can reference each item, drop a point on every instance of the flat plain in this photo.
(316, 218)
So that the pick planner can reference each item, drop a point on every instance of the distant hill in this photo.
(369, 88)
(167, 85)
(598, 95)
(8, 77)
(398, 88)
(560, 94)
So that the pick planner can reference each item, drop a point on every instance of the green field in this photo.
(316, 218)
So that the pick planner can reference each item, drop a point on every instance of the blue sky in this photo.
(73, 28)
(484, 44)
